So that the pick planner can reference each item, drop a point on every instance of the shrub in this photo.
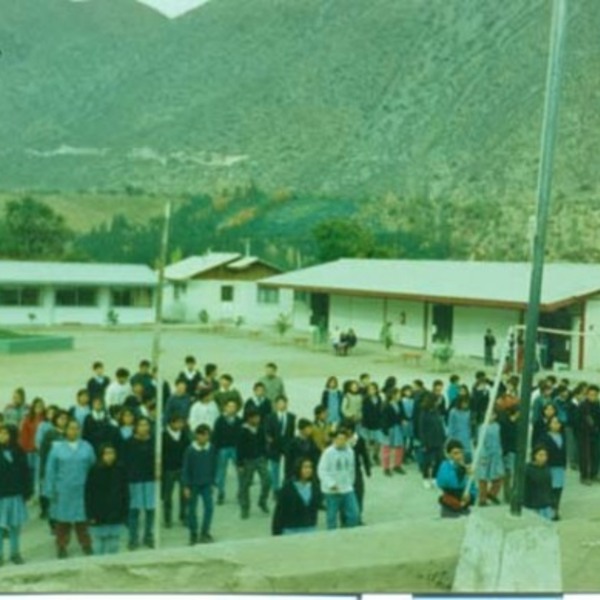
(203, 316)
(283, 324)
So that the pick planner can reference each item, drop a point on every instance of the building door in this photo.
(556, 347)
(319, 309)
(442, 321)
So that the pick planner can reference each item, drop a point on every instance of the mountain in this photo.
(341, 98)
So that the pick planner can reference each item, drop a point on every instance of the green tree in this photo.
(33, 230)
(343, 238)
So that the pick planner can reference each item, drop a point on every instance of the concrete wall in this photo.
(410, 330)
(206, 295)
(591, 356)
(470, 324)
(364, 315)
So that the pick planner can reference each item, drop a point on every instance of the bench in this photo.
(412, 358)
(301, 341)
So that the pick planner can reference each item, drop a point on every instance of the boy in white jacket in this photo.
(336, 473)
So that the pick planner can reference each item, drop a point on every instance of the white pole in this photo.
(156, 351)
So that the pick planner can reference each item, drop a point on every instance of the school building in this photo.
(223, 287)
(430, 301)
(55, 293)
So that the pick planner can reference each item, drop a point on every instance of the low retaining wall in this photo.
(26, 344)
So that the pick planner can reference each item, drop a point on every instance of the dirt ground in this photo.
(403, 526)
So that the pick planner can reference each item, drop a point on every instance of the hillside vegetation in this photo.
(421, 119)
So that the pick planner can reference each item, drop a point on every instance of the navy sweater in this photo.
(199, 467)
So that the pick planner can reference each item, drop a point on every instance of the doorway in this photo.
(555, 347)
(442, 320)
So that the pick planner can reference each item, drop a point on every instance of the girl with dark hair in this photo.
(432, 435)
(331, 399)
(392, 421)
(490, 467)
(139, 463)
(555, 443)
(15, 412)
(538, 484)
(29, 427)
(452, 479)
(15, 490)
(370, 428)
(298, 502)
(107, 500)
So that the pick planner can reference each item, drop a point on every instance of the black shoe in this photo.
(149, 543)
(88, 551)
(263, 506)
(133, 546)
(221, 499)
(168, 524)
(494, 500)
(245, 514)
(62, 553)
(387, 472)
(206, 538)
(399, 470)
(193, 540)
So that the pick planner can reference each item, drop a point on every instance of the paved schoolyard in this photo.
(57, 376)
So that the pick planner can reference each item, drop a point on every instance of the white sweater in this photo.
(203, 414)
(336, 469)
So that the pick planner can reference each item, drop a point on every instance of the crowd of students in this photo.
(93, 466)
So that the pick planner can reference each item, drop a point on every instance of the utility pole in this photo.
(548, 140)
(156, 352)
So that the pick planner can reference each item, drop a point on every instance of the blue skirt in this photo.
(395, 437)
(142, 495)
(558, 477)
(13, 512)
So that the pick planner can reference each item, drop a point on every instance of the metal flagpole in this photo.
(156, 351)
(549, 127)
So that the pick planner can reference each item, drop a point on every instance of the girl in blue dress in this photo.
(15, 490)
(331, 399)
(554, 441)
(408, 427)
(490, 467)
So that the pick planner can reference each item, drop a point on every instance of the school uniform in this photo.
(139, 458)
(362, 467)
(408, 427)
(147, 382)
(79, 413)
(459, 428)
(107, 506)
(332, 401)
(491, 463)
(370, 427)
(14, 415)
(321, 434)
(432, 435)
(300, 448)
(508, 441)
(15, 490)
(297, 508)
(352, 407)
(98, 430)
(392, 435)
(64, 483)
(192, 380)
(199, 476)
(538, 490)
(222, 397)
(174, 445)
(263, 405)
(97, 385)
(556, 445)
(177, 406)
(589, 440)
(279, 429)
(225, 439)
(252, 458)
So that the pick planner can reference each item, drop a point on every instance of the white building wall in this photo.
(411, 332)
(364, 315)
(301, 314)
(470, 324)
(591, 354)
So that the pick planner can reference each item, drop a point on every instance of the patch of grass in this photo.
(7, 334)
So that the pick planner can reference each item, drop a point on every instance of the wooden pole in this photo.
(156, 352)
(548, 142)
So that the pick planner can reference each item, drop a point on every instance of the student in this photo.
(15, 412)
(297, 508)
(508, 421)
(119, 389)
(274, 386)
(392, 421)
(432, 437)
(555, 443)
(279, 430)
(452, 479)
(139, 463)
(27, 433)
(97, 427)
(408, 426)
(175, 441)
(15, 491)
(211, 378)
(82, 407)
(180, 403)
(336, 472)
(364, 381)
(302, 446)
(459, 426)
(56, 432)
(480, 398)
(106, 501)
(252, 458)
(68, 465)
(322, 429)
(490, 468)
(331, 399)
(362, 464)
(227, 392)
(538, 484)
(589, 435)
(352, 402)
(204, 411)
(453, 390)
(191, 375)
(541, 425)
(98, 383)
(572, 430)
(126, 423)
(259, 401)
(225, 439)
(144, 378)
(441, 402)
(198, 478)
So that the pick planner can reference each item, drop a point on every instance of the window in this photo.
(300, 296)
(17, 296)
(131, 298)
(76, 297)
(226, 293)
(179, 289)
(267, 295)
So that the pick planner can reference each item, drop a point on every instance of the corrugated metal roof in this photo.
(194, 265)
(243, 263)
(474, 282)
(65, 273)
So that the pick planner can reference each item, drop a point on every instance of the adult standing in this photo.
(489, 343)
(274, 386)
(66, 473)
(589, 436)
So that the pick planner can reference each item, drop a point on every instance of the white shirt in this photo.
(117, 392)
(203, 414)
(336, 469)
